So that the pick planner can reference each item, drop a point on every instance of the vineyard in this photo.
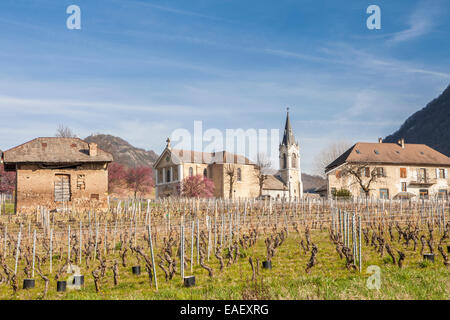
(222, 249)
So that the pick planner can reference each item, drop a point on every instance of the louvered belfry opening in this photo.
(62, 188)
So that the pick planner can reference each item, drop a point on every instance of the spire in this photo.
(288, 137)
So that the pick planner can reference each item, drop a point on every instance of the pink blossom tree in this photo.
(7, 180)
(198, 187)
(139, 180)
(116, 176)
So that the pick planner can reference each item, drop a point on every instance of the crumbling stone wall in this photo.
(36, 187)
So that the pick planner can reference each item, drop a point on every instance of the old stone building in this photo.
(390, 171)
(57, 172)
(174, 165)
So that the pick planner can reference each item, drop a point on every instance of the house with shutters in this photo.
(391, 171)
(57, 173)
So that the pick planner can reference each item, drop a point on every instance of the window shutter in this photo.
(437, 173)
(367, 172)
(446, 173)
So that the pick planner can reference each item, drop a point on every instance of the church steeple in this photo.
(290, 171)
(288, 137)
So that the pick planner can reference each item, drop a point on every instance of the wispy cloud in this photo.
(347, 55)
(420, 22)
(297, 55)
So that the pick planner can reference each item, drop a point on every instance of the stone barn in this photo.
(57, 173)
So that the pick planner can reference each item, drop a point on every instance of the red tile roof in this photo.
(54, 150)
(391, 153)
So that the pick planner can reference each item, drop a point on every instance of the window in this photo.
(284, 161)
(175, 174)
(441, 174)
(422, 175)
(442, 194)
(191, 171)
(380, 172)
(81, 184)
(294, 161)
(205, 173)
(338, 174)
(168, 175)
(404, 187)
(95, 196)
(364, 172)
(384, 193)
(402, 172)
(239, 174)
(423, 193)
(62, 187)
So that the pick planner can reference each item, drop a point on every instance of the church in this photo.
(234, 176)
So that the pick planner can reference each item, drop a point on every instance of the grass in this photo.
(8, 208)
(328, 279)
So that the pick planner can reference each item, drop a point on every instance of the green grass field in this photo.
(328, 279)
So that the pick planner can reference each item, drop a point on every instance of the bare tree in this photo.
(262, 171)
(230, 171)
(328, 155)
(362, 173)
(64, 132)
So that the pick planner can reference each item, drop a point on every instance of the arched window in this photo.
(294, 161)
(284, 161)
(205, 173)
(239, 174)
(168, 175)
(191, 172)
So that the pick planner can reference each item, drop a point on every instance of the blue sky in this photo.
(141, 69)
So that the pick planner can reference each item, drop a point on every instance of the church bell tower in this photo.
(290, 171)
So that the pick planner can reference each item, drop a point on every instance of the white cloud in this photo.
(420, 22)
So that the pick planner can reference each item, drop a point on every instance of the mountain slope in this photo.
(123, 152)
(430, 126)
(310, 182)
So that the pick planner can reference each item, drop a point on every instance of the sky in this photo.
(142, 69)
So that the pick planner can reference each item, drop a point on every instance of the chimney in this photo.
(93, 149)
(401, 143)
(380, 140)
